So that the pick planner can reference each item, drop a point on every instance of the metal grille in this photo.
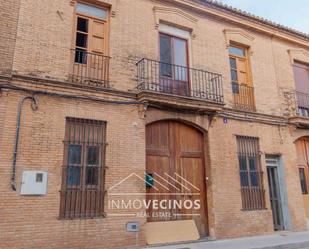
(243, 97)
(89, 68)
(82, 192)
(251, 175)
(302, 102)
(168, 78)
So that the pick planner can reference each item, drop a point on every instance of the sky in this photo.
(291, 13)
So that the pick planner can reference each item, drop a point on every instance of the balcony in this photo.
(302, 104)
(301, 119)
(163, 82)
(89, 69)
(243, 97)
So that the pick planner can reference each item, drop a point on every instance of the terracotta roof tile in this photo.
(252, 17)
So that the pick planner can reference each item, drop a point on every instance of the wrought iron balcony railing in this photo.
(243, 96)
(89, 68)
(302, 104)
(167, 78)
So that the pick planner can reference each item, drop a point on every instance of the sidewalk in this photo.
(282, 240)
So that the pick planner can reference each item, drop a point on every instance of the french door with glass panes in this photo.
(174, 73)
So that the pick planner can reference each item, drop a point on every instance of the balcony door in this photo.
(301, 77)
(90, 45)
(241, 78)
(174, 75)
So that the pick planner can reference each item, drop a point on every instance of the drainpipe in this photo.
(34, 106)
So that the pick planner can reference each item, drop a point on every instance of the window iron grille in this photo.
(251, 175)
(82, 192)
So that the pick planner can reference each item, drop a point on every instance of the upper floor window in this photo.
(240, 73)
(91, 31)
(301, 77)
(241, 77)
(90, 63)
(174, 64)
(173, 50)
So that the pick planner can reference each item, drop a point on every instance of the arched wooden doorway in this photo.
(302, 149)
(175, 161)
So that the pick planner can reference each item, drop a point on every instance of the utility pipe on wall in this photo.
(34, 106)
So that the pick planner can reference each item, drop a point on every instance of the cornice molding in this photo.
(241, 21)
(298, 54)
(238, 35)
(173, 11)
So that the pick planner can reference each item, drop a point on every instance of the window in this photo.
(173, 57)
(239, 66)
(251, 181)
(301, 77)
(173, 65)
(82, 192)
(241, 78)
(91, 31)
(303, 182)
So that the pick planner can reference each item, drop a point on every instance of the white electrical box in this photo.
(33, 182)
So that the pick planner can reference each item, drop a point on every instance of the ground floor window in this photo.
(251, 180)
(303, 182)
(82, 191)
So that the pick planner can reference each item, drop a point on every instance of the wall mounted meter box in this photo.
(33, 182)
(132, 226)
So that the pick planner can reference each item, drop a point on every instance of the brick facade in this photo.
(37, 61)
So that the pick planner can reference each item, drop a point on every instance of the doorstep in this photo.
(280, 240)
(167, 245)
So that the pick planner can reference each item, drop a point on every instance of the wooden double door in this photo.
(175, 162)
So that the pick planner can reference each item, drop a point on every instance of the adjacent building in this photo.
(98, 95)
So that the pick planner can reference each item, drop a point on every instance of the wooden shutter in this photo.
(91, 61)
(97, 41)
(301, 76)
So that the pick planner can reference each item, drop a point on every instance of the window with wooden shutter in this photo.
(82, 192)
(90, 53)
(241, 78)
(251, 177)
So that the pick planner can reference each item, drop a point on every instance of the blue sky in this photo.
(291, 13)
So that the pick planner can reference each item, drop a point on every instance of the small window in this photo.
(39, 177)
(303, 181)
(82, 24)
(91, 11)
(237, 51)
